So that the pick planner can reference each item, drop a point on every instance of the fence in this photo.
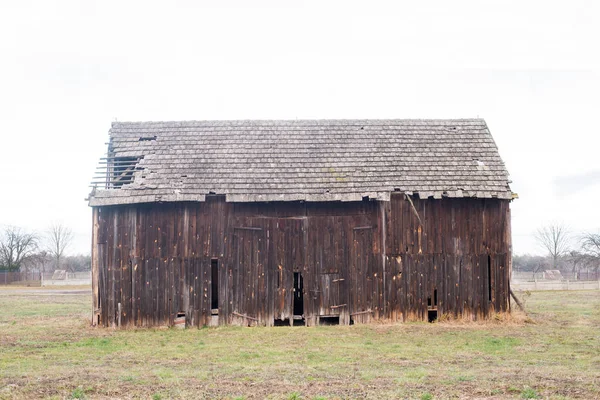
(520, 276)
(67, 278)
(555, 285)
(15, 277)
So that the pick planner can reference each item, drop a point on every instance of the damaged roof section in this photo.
(116, 171)
(309, 160)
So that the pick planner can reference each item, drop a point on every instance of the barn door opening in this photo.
(214, 286)
(432, 307)
(214, 292)
(298, 297)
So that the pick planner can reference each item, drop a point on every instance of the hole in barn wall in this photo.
(180, 320)
(329, 320)
(147, 138)
(298, 296)
(431, 315)
(214, 286)
(432, 307)
(281, 322)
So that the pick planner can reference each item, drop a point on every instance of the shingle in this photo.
(311, 160)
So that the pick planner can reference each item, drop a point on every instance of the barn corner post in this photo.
(95, 305)
(510, 253)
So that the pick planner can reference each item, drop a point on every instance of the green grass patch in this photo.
(48, 350)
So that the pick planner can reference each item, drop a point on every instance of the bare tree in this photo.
(554, 238)
(15, 246)
(78, 263)
(541, 265)
(38, 261)
(59, 238)
(590, 243)
(577, 260)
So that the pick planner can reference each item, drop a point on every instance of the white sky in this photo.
(69, 68)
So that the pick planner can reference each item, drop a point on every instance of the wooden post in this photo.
(95, 304)
(518, 302)
(119, 318)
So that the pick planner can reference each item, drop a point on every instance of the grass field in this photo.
(48, 350)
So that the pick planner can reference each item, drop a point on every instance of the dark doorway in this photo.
(298, 295)
(214, 284)
(432, 307)
(431, 315)
(329, 320)
(281, 322)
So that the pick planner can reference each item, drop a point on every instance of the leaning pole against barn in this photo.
(301, 222)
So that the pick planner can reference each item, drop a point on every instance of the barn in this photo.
(300, 222)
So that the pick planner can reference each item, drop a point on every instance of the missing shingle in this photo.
(147, 138)
(120, 171)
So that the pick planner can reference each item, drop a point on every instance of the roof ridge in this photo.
(303, 120)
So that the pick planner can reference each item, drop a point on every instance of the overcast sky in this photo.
(530, 68)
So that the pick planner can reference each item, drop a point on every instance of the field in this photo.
(48, 350)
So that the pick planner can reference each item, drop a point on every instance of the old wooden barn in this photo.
(299, 222)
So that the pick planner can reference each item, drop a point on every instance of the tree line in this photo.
(564, 251)
(23, 251)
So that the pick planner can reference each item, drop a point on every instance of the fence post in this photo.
(567, 284)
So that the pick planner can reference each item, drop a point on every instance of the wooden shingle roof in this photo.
(310, 160)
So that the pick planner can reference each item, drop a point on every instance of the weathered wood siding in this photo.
(451, 248)
(359, 261)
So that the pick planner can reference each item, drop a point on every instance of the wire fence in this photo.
(33, 278)
(64, 278)
(525, 276)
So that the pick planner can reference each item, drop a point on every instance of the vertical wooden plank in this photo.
(95, 273)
